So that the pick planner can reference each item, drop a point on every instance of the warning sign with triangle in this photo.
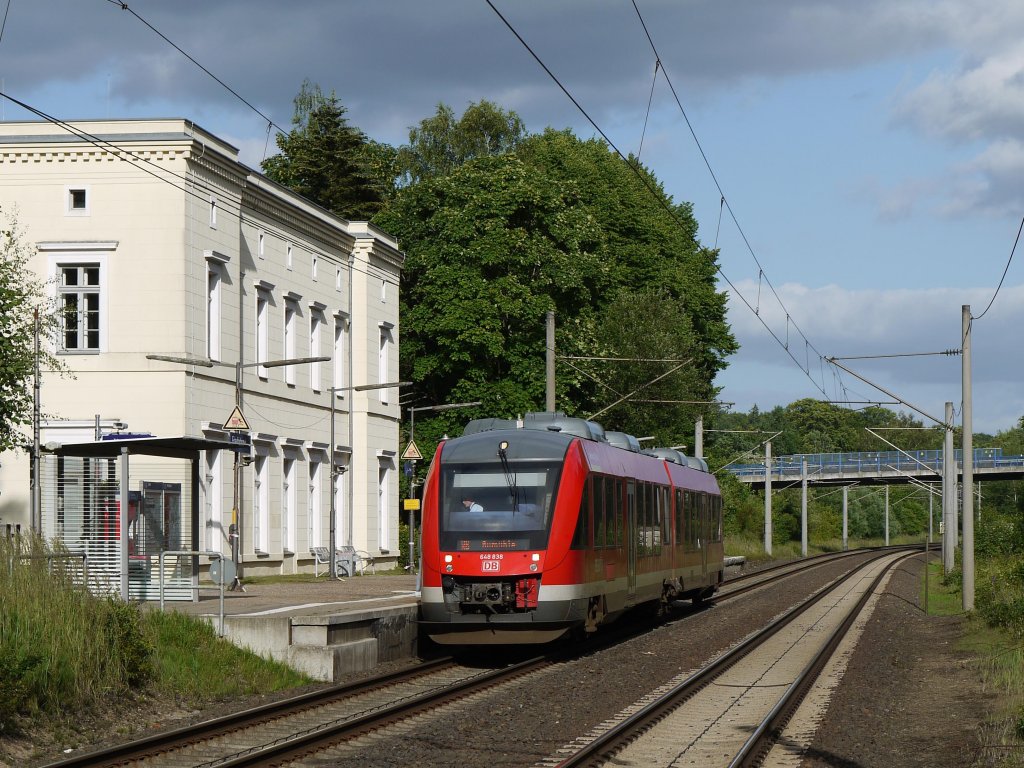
(412, 452)
(237, 421)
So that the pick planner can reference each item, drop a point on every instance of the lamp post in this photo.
(335, 471)
(412, 474)
(235, 529)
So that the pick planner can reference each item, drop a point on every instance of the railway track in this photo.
(287, 731)
(729, 712)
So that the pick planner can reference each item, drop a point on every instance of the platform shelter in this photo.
(82, 488)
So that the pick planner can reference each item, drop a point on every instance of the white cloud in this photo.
(843, 323)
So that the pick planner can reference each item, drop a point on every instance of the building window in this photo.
(213, 493)
(262, 332)
(340, 332)
(261, 247)
(213, 212)
(314, 349)
(288, 498)
(315, 266)
(291, 314)
(340, 497)
(79, 296)
(289, 256)
(383, 291)
(383, 361)
(337, 279)
(383, 505)
(77, 201)
(214, 280)
(314, 503)
(261, 505)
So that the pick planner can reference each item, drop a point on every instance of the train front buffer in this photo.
(491, 582)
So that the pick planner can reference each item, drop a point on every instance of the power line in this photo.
(654, 192)
(186, 185)
(724, 200)
(124, 7)
(1005, 270)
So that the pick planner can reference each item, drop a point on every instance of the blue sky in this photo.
(871, 152)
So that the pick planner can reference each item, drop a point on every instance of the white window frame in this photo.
(291, 331)
(341, 332)
(289, 256)
(314, 266)
(316, 322)
(69, 200)
(261, 504)
(213, 489)
(384, 359)
(314, 506)
(60, 254)
(384, 503)
(289, 501)
(261, 245)
(214, 281)
(264, 298)
(213, 211)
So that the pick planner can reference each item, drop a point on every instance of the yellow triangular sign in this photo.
(412, 452)
(236, 420)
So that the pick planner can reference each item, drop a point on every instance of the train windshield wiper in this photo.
(510, 476)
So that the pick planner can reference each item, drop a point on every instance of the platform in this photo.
(322, 627)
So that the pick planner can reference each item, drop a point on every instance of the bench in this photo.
(346, 560)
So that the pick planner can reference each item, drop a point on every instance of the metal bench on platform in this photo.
(346, 560)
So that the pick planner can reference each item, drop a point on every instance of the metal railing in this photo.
(193, 553)
(50, 557)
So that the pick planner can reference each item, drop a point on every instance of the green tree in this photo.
(21, 294)
(648, 240)
(648, 327)
(327, 160)
(490, 248)
(441, 143)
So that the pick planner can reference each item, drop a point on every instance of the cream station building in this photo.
(156, 242)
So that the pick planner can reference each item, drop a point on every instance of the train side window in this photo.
(680, 531)
(618, 487)
(600, 522)
(582, 538)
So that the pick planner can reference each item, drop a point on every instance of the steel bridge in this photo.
(876, 468)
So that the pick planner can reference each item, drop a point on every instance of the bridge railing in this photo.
(873, 462)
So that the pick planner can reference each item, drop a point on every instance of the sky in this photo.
(858, 165)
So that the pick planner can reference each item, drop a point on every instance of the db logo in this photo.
(492, 566)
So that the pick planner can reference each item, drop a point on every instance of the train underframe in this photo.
(514, 610)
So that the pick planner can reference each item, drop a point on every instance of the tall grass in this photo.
(65, 650)
(60, 647)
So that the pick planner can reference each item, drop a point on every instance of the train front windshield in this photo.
(485, 508)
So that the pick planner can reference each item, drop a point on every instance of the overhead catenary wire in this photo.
(672, 213)
(124, 7)
(1001, 279)
(187, 186)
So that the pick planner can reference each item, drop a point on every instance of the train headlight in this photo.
(447, 558)
(535, 557)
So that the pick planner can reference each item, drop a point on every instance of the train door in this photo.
(631, 542)
(704, 531)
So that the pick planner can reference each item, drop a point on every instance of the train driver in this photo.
(470, 505)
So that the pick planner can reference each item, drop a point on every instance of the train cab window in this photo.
(581, 539)
(485, 508)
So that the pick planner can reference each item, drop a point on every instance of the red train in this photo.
(538, 527)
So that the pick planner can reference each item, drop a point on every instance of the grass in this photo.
(64, 650)
(997, 656)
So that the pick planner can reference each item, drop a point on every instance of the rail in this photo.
(193, 553)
